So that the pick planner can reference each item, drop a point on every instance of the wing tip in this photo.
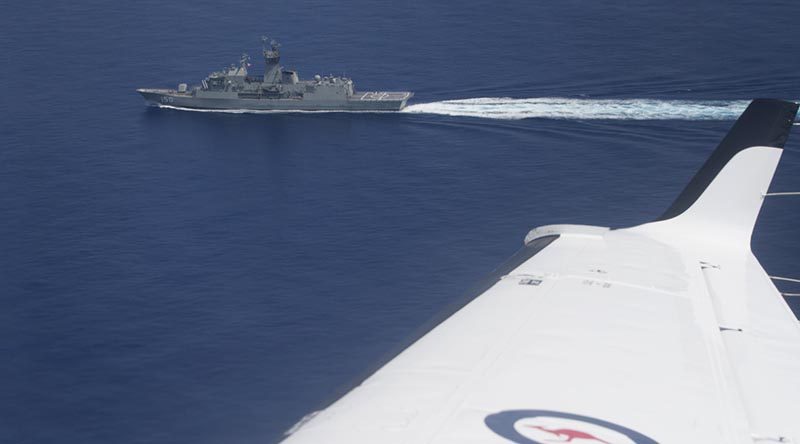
(765, 122)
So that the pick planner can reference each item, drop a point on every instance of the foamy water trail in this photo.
(553, 108)
(581, 109)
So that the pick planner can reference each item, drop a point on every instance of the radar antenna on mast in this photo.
(273, 48)
(273, 44)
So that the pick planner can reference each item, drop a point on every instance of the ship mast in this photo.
(272, 58)
(244, 62)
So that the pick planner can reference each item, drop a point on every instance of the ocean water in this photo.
(185, 277)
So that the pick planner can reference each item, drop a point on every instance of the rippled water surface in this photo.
(188, 277)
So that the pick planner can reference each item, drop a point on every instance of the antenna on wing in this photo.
(780, 278)
(785, 279)
(784, 193)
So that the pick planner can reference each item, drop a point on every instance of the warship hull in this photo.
(359, 101)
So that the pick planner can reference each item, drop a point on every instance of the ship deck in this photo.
(163, 91)
(380, 96)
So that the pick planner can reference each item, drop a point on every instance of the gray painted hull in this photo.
(372, 101)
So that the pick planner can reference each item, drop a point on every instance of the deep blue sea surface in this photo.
(170, 276)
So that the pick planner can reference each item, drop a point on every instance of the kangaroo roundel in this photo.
(543, 427)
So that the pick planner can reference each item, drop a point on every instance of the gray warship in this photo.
(278, 89)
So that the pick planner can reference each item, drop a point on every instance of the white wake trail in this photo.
(582, 109)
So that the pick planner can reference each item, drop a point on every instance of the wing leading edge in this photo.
(667, 332)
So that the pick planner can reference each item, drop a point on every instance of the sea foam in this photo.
(583, 109)
(555, 108)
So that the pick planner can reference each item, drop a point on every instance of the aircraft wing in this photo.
(667, 332)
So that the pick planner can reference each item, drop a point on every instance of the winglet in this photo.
(723, 199)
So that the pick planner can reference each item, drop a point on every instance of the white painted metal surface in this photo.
(668, 332)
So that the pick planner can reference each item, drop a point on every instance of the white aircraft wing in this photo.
(668, 332)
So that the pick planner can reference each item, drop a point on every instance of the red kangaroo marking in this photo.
(570, 434)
